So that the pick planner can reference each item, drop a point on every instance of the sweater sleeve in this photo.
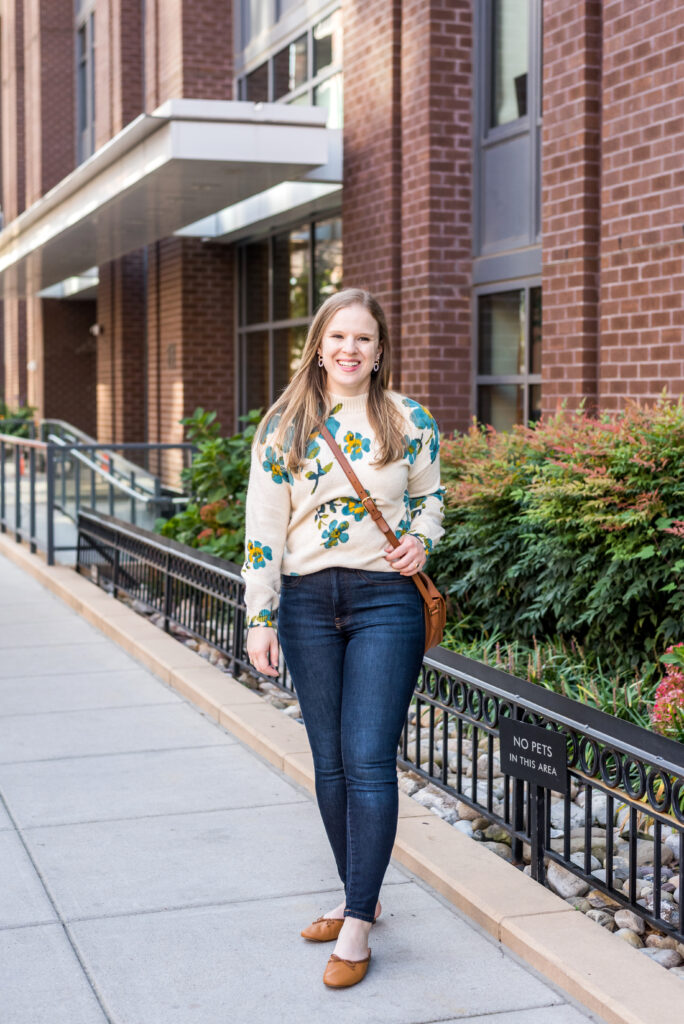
(426, 495)
(267, 516)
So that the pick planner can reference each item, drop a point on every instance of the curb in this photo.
(605, 975)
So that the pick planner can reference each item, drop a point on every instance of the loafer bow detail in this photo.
(323, 929)
(341, 973)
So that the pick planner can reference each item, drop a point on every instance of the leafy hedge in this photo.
(15, 421)
(570, 528)
(217, 483)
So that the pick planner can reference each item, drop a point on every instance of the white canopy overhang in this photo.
(187, 161)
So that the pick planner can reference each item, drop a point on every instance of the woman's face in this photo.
(349, 347)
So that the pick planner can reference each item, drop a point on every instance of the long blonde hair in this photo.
(304, 405)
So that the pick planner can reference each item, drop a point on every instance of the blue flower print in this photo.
(336, 533)
(258, 554)
(403, 527)
(420, 415)
(417, 504)
(425, 541)
(331, 423)
(434, 445)
(276, 467)
(318, 473)
(262, 618)
(355, 445)
(413, 446)
(353, 507)
(313, 448)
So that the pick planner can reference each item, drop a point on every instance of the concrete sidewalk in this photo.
(155, 871)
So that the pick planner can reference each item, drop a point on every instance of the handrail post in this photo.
(77, 486)
(132, 483)
(537, 831)
(167, 590)
(32, 500)
(17, 493)
(117, 553)
(3, 527)
(50, 511)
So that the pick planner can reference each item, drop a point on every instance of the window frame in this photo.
(486, 136)
(267, 55)
(526, 379)
(84, 21)
(270, 326)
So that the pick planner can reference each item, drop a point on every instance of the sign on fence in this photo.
(534, 754)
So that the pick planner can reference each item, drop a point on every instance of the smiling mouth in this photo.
(348, 366)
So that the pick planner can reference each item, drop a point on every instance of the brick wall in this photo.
(14, 339)
(570, 201)
(121, 413)
(118, 66)
(371, 199)
(13, 314)
(190, 338)
(12, 108)
(69, 357)
(188, 50)
(62, 383)
(49, 94)
(642, 196)
(436, 99)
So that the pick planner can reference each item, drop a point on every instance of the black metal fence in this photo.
(44, 484)
(626, 774)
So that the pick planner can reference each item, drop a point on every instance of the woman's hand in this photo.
(262, 648)
(409, 557)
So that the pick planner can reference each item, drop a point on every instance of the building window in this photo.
(508, 379)
(85, 79)
(509, 60)
(281, 282)
(308, 70)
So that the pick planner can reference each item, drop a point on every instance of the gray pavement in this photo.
(156, 871)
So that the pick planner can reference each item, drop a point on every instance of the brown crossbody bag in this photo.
(434, 605)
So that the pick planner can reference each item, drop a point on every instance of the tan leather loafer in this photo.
(323, 929)
(341, 973)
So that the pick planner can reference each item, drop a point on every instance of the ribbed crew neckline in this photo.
(350, 403)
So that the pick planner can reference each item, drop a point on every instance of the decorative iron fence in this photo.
(632, 780)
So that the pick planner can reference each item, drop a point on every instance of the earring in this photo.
(376, 365)
(320, 359)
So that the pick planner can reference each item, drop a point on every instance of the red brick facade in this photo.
(642, 200)
(371, 199)
(571, 230)
(436, 179)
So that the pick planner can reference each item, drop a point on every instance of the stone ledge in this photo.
(607, 976)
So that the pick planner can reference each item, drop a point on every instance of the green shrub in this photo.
(570, 528)
(16, 421)
(217, 483)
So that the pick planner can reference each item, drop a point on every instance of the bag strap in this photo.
(369, 505)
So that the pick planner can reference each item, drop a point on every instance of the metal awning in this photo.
(164, 171)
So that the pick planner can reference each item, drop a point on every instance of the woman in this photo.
(350, 618)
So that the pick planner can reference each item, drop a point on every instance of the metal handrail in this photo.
(53, 451)
(143, 495)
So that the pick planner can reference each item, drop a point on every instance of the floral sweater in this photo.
(300, 524)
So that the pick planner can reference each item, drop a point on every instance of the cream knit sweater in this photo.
(296, 525)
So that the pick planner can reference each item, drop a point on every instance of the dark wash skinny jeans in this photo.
(353, 643)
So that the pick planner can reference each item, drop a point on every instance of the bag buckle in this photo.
(364, 500)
